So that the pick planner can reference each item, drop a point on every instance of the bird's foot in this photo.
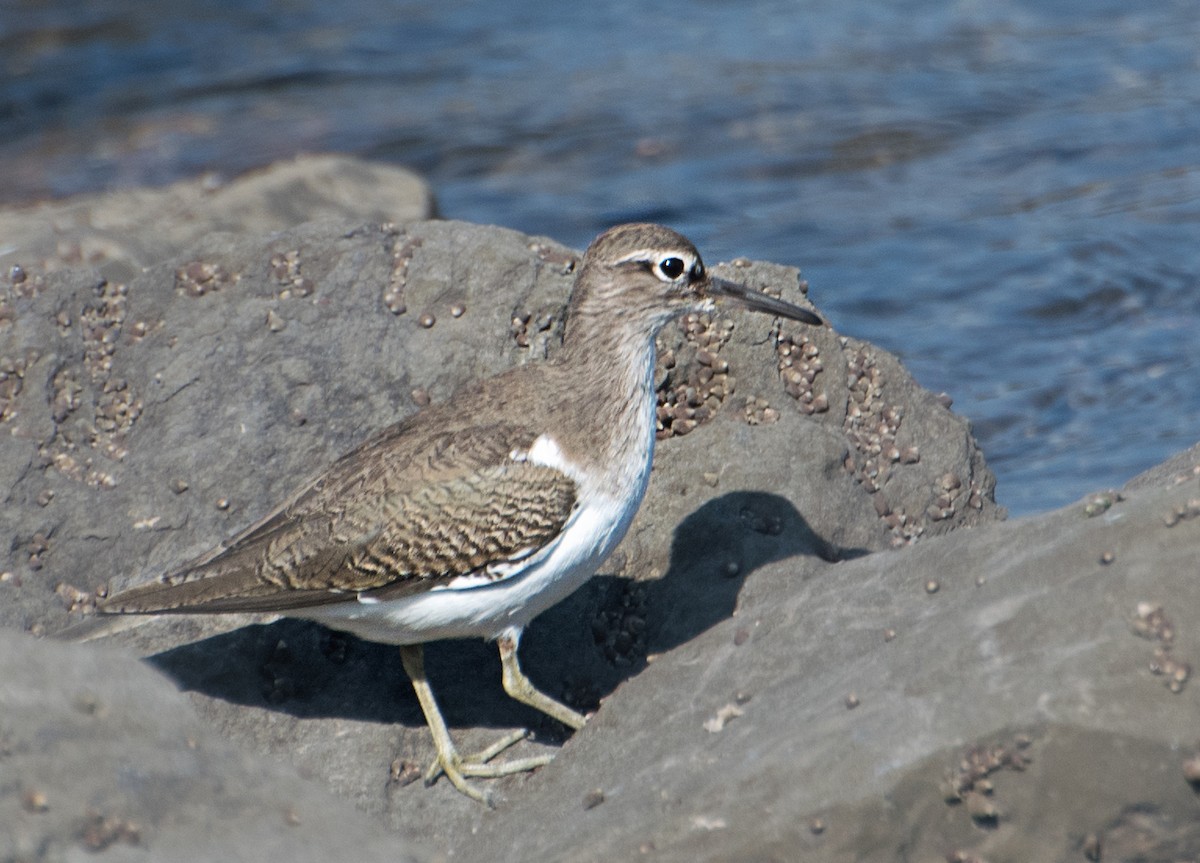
(458, 768)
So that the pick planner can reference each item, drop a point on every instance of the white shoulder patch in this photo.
(546, 452)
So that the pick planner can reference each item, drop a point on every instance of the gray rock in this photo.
(157, 416)
(119, 233)
(1037, 701)
(147, 417)
(101, 754)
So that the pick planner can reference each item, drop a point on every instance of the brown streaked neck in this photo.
(607, 365)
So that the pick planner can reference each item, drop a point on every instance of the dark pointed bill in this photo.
(760, 302)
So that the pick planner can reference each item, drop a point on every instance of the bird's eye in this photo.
(672, 268)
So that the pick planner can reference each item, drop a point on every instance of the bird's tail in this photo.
(97, 626)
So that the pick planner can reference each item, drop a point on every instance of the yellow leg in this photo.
(456, 767)
(518, 686)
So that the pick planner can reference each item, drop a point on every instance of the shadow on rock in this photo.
(597, 638)
(713, 551)
(578, 651)
(306, 670)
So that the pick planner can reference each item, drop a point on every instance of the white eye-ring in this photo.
(680, 266)
(671, 268)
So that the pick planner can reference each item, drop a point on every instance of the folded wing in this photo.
(399, 515)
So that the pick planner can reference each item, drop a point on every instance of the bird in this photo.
(472, 516)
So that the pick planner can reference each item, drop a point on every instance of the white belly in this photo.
(485, 609)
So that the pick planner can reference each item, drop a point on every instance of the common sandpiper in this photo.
(473, 516)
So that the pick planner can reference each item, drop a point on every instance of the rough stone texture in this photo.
(1032, 667)
(100, 754)
(119, 233)
(147, 416)
(149, 419)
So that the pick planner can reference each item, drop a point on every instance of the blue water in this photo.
(1006, 194)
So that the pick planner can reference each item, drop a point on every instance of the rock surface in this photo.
(101, 754)
(119, 233)
(1034, 705)
(148, 414)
